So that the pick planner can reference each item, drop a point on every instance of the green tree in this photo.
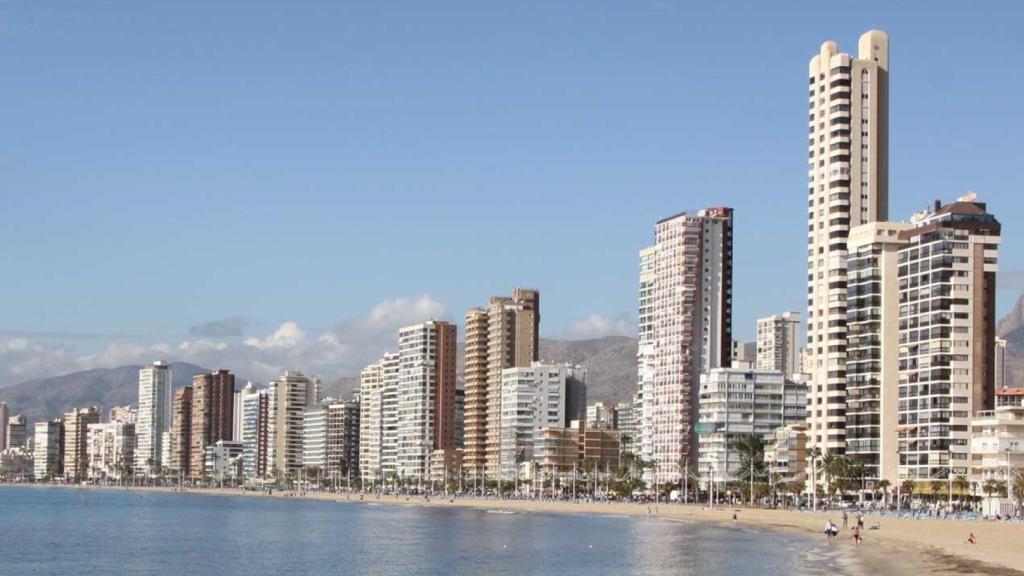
(750, 448)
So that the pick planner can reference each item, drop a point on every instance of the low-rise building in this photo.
(16, 464)
(223, 461)
(734, 403)
(785, 452)
(110, 450)
(997, 451)
(600, 447)
(17, 432)
(1009, 397)
(556, 450)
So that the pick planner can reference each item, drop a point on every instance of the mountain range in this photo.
(610, 364)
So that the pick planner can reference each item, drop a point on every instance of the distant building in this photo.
(999, 359)
(48, 450)
(237, 406)
(154, 416)
(16, 464)
(533, 398)
(378, 419)
(4, 415)
(223, 461)
(556, 451)
(181, 433)
(110, 450)
(626, 423)
(601, 415)
(125, 414)
(255, 433)
(744, 352)
(505, 334)
(602, 447)
(17, 432)
(735, 403)
(778, 343)
(290, 397)
(76, 445)
(785, 452)
(645, 357)
(460, 418)
(211, 414)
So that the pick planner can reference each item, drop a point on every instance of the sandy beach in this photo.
(899, 547)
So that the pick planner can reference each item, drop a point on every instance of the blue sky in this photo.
(345, 168)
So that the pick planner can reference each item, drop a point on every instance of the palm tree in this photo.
(750, 448)
(937, 487)
(991, 485)
(883, 485)
(814, 454)
(1018, 488)
(961, 485)
(908, 486)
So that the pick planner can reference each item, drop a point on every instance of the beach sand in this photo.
(902, 546)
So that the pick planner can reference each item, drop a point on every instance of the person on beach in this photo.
(971, 539)
(860, 520)
(856, 536)
(846, 520)
(828, 530)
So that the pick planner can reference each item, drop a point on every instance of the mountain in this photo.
(47, 398)
(610, 364)
(1011, 327)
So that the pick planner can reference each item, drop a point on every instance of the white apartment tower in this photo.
(645, 355)
(289, 398)
(692, 334)
(378, 418)
(778, 345)
(848, 185)
(154, 416)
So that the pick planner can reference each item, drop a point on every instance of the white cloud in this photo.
(598, 326)
(341, 351)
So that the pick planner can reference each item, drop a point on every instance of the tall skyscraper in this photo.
(290, 397)
(947, 294)
(237, 406)
(154, 416)
(872, 365)
(212, 412)
(426, 395)
(692, 329)
(371, 381)
(180, 441)
(645, 353)
(76, 445)
(4, 415)
(848, 174)
(255, 433)
(504, 335)
(778, 344)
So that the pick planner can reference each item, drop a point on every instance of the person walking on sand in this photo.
(856, 536)
(860, 520)
(846, 520)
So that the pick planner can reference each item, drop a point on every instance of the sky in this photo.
(269, 186)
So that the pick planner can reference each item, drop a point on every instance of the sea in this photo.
(53, 531)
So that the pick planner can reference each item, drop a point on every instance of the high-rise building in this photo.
(736, 403)
(999, 358)
(110, 450)
(426, 395)
(154, 416)
(645, 354)
(534, 397)
(239, 411)
(692, 329)
(48, 449)
(872, 363)
(180, 435)
(626, 422)
(778, 344)
(17, 432)
(4, 415)
(330, 440)
(76, 445)
(255, 433)
(504, 335)
(371, 381)
(460, 418)
(290, 397)
(848, 174)
(212, 412)
(947, 295)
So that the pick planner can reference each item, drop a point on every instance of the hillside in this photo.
(46, 398)
(1011, 328)
(610, 364)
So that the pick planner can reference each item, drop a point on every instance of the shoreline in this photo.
(934, 546)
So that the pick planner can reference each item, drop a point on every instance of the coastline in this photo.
(929, 545)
